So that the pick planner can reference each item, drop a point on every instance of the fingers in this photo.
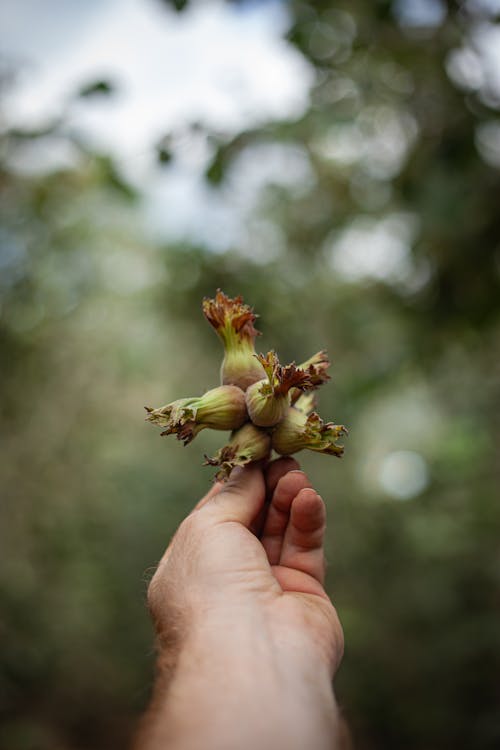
(302, 547)
(272, 474)
(279, 512)
(275, 469)
(239, 499)
(278, 469)
(214, 489)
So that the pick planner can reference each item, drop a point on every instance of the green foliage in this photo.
(96, 321)
(97, 88)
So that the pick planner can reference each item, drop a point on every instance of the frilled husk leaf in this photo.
(246, 445)
(268, 399)
(230, 316)
(185, 432)
(282, 378)
(306, 402)
(233, 322)
(221, 408)
(316, 367)
(277, 398)
(299, 431)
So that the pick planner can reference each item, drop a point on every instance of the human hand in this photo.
(248, 638)
(251, 552)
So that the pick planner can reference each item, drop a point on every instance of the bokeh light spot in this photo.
(404, 474)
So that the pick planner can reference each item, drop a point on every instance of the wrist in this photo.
(236, 679)
(242, 635)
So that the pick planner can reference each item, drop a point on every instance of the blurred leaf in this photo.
(97, 88)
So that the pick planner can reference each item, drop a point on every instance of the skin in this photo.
(248, 639)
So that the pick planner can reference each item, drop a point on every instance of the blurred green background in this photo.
(369, 224)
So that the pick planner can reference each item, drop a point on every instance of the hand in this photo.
(239, 604)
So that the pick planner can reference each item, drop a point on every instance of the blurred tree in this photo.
(384, 248)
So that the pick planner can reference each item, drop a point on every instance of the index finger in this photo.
(277, 469)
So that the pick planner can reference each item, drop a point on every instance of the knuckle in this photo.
(153, 594)
(338, 639)
(228, 491)
(189, 526)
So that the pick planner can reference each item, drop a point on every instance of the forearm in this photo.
(236, 689)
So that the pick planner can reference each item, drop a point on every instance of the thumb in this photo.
(240, 499)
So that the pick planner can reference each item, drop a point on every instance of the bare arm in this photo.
(248, 639)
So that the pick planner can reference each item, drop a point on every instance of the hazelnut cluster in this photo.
(267, 406)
